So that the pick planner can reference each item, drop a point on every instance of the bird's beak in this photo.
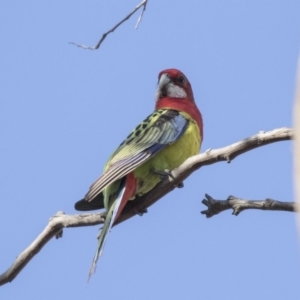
(163, 81)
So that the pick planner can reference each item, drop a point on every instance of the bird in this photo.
(158, 145)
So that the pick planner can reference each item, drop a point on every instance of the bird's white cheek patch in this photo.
(175, 91)
(170, 90)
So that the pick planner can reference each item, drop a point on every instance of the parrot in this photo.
(158, 145)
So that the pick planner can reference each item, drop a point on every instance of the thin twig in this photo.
(143, 3)
(214, 206)
(60, 220)
(141, 16)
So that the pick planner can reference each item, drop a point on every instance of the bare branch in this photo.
(53, 229)
(209, 157)
(238, 205)
(142, 4)
(60, 220)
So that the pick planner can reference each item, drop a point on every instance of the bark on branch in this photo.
(142, 4)
(211, 156)
(238, 205)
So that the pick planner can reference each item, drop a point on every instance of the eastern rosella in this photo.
(163, 141)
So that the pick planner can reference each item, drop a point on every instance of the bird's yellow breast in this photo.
(171, 157)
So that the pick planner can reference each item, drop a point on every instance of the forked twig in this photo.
(142, 4)
(238, 205)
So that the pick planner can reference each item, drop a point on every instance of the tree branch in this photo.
(142, 4)
(61, 220)
(238, 205)
(209, 157)
(53, 229)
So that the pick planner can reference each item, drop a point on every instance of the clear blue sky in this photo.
(63, 110)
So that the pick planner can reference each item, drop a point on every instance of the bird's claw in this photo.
(59, 234)
(167, 173)
(141, 212)
(180, 185)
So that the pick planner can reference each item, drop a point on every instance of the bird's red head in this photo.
(172, 83)
(174, 91)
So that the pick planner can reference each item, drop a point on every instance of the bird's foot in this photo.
(180, 185)
(167, 173)
(59, 234)
(141, 212)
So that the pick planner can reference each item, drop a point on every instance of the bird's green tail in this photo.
(109, 221)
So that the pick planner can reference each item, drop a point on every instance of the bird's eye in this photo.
(181, 79)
